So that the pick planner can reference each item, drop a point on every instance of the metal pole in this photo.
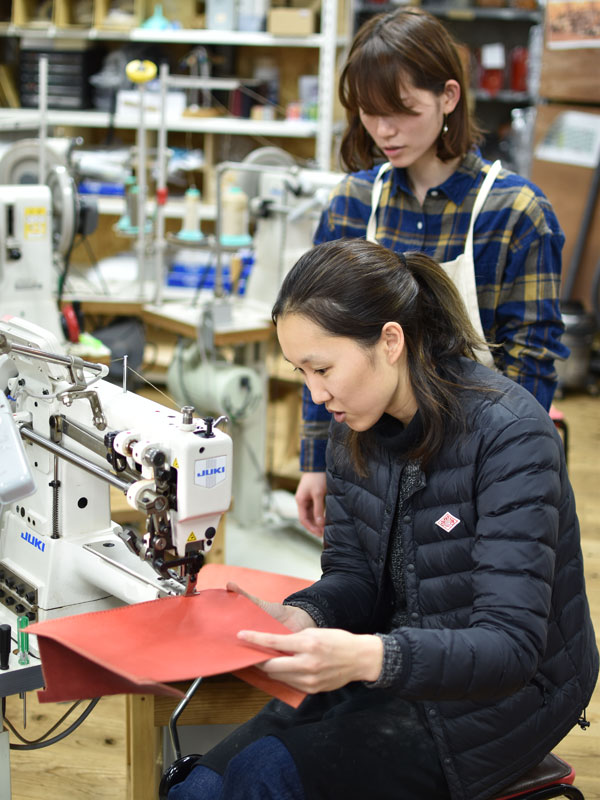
(175, 716)
(43, 103)
(141, 173)
(72, 458)
(326, 83)
(161, 185)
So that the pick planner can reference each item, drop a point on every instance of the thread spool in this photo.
(141, 71)
(235, 217)
(190, 229)
(131, 199)
(128, 223)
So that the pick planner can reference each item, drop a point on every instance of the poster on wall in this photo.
(573, 138)
(572, 24)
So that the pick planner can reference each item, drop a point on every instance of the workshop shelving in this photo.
(223, 125)
(309, 136)
(325, 44)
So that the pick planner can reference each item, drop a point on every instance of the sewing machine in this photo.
(60, 553)
(26, 275)
(286, 202)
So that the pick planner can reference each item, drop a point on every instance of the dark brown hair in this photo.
(351, 288)
(408, 44)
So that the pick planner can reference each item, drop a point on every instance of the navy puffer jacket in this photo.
(500, 648)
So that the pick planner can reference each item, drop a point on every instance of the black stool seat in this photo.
(177, 772)
(552, 777)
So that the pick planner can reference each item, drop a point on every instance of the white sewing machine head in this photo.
(81, 435)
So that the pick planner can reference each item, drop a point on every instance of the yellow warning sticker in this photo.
(192, 537)
(176, 464)
(35, 222)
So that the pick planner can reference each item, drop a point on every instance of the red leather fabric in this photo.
(142, 648)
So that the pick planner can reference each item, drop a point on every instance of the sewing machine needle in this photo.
(190, 586)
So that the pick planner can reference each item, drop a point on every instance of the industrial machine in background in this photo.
(53, 163)
(27, 285)
(60, 553)
(39, 221)
(286, 201)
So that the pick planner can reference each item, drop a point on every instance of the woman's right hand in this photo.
(293, 618)
(310, 499)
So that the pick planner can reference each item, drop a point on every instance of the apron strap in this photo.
(375, 198)
(480, 200)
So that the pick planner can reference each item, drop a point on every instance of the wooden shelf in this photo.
(181, 36)
(300, 129)
(174, 209)
(466, 13)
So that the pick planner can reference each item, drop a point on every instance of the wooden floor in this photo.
(582, 748)
(91, 762)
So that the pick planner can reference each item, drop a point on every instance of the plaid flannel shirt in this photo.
(517, 249)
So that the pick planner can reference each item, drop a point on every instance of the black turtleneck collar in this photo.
(392, 434)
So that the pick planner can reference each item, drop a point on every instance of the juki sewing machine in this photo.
(60, 553)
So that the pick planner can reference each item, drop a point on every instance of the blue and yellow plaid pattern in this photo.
(517, 249)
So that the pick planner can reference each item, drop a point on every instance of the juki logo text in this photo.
(33, 541)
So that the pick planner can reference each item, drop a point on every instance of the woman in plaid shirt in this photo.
(405, 93)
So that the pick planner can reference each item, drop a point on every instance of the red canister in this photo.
(518, 69)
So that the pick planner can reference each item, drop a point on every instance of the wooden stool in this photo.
(558, 418)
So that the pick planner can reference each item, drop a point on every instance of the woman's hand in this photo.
(310, 499)
(293, 618)
(320, 659)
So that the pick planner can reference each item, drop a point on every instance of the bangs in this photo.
(378, 96)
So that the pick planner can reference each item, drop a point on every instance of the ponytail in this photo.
(442, 332)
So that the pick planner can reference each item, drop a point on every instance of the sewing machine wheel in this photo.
(20, 162)
(249, 182)
(65, 208)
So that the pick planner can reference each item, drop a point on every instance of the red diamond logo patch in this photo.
(447, 522)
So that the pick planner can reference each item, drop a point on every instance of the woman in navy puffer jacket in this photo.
(448, 646)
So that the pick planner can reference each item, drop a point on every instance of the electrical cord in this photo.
(596, 293)
(260, 473)
(250, 403)
(179, 362)
(48, 732)
(85, 241)
(62, 279)
(42, 741)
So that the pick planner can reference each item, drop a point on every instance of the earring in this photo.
(445, 126)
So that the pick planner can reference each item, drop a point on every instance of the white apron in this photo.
(462, 269)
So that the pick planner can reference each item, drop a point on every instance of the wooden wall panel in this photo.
(571, 75)
(567, 188)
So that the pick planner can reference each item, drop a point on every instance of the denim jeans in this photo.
(264, 770)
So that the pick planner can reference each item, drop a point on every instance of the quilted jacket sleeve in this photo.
(346, 594)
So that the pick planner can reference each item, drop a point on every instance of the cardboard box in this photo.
(128, 104)
(291, 21)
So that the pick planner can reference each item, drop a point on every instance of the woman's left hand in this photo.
(320, 659)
